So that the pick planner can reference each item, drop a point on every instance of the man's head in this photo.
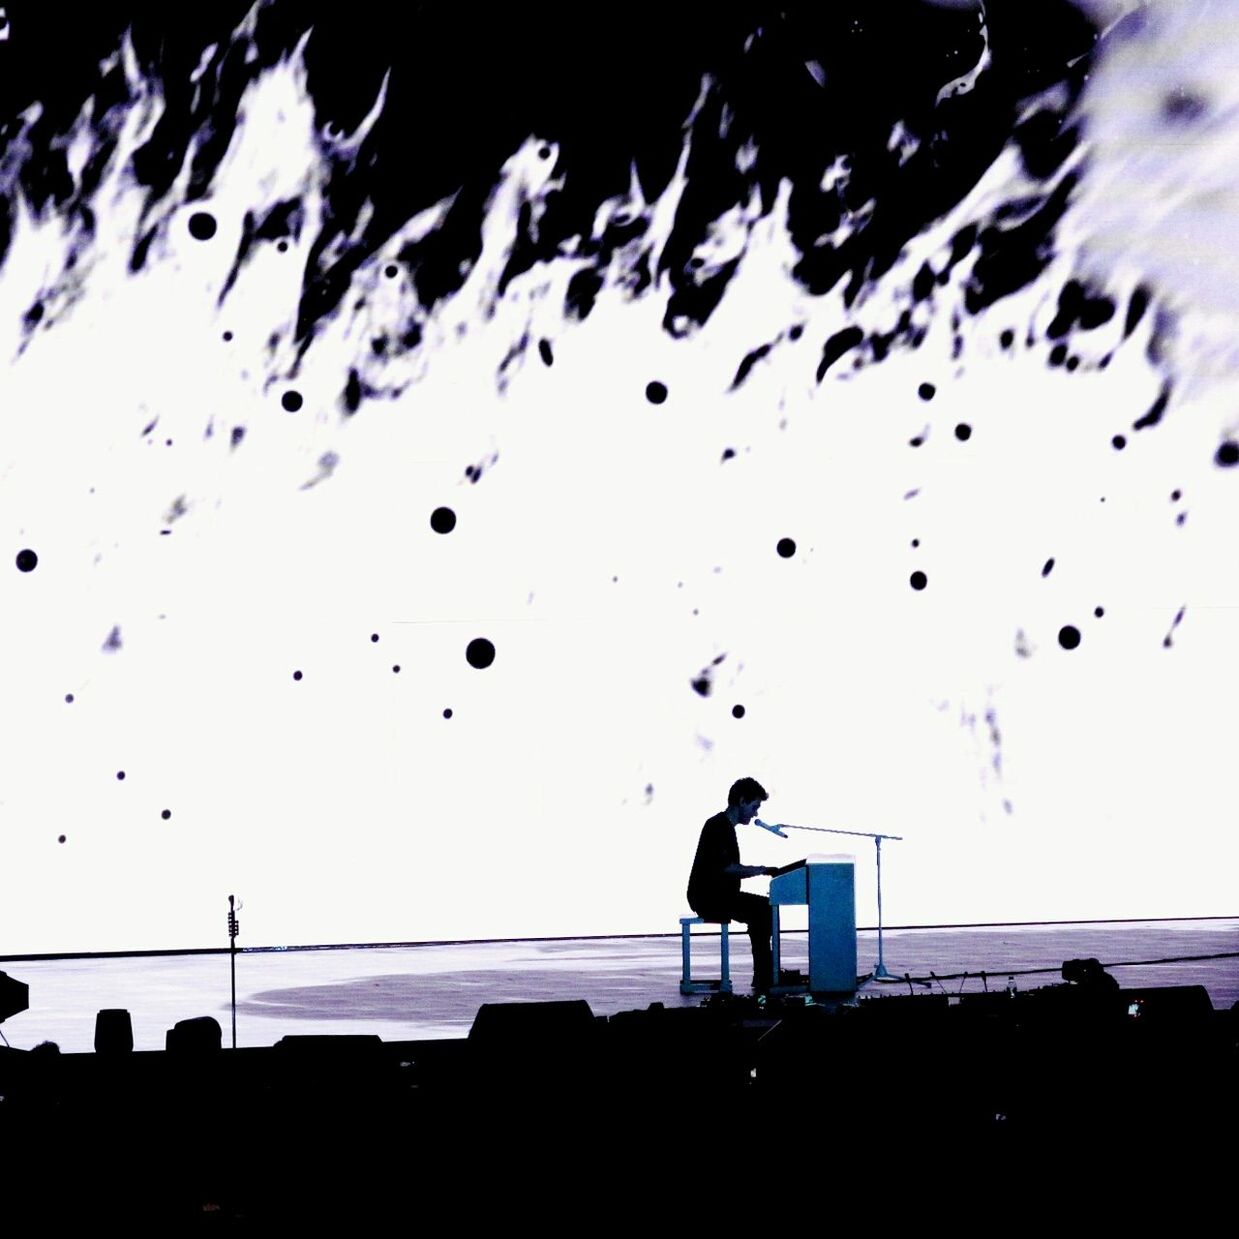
(744, 799)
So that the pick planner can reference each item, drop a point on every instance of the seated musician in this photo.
(714, 884)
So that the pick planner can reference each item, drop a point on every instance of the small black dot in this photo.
(69, 698)
(227, 335)
(796, 332)
(391, 271)
(926, 391)
(291, 400)
(1073, 364)
(374, 636)
(396, 669)
(918, 580)
(916, 442)
(728, 453)
(1099, 611)
(447, 713)
(282, 246)
(916, 542)
(296, 675)
(1047, 567)
(1228, 454)
(1118, 443)
(963, 432)
(1007, 338)
(201, 226)
(26, 560)
(1175, 496)
(1068, 637)
(167, 813)
(443, 520)
(786, 548)
(656, 392)
(737, 711)
(61, 839)
(480, 653)
(120, 774)
(1058, 354)
(544, 152)
(1178, 520)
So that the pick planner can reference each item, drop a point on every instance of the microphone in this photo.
(774, 830)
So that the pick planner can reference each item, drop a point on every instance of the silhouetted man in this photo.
(714, 884)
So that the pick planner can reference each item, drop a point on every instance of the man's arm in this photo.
(748, 871)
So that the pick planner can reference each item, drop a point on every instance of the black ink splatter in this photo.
(27, 560)
(963, 432)
(926, 391)
(480, 653)
(1069, 637)
(202, 226)
(1227, 454)
(737, 711)
(291, 400)
(544, 351)
(918, 580)
(1047, 567)
(1118, 443)
(786, 548)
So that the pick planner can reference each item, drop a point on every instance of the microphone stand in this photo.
(879, 972)
(234, 928)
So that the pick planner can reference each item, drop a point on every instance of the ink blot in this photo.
(1047, 568)
(728, 453)
(655, 393)
(1073, 363)
(963, 432)
(1228, 454)
(238, 433)
(201, 226)
(291, 400)
(918, 580)
(69, 698)
(1099, 611)
(374, 636)
(1007, 338)
(26, 560)
(1058, 354)
(447, 713)
(796, 332)
(1175, 496)
(480, 653)
(1119, 443)
(926, 391)
(120, 774)
(544, 351)
(786, 548)
(916, 542)
(391, 271)
(227, 335)
(1068, 637)
(282, 246)
(61, 839)
(544, 152)
(737, 711)
(443, 520)
(296, 675)
(396, 669)
(167, 813)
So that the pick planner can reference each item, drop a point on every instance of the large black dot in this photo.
(374, 636)
(291, 400)
(1175, 496)
(963, 432)
(656, 392)
(915, 543)
(448, 712)
(282, 246)
(737, 711)
(202, 226)
(926, 391)
(1058, 354)
(227, 336)
(1047, 567)
(26, 560)
(1068, 636)
(167, 813)
(1007, 338)
(396, 669)
(120, 774)
(1119, 443)
(918, 580)
(69, 698)
(1228, 454)
(296, 675)
(443, 520)
(391, 271)
(1099, 611)
(61, 839)
(786, 548)
(480, 653)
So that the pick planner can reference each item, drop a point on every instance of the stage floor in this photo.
(409, 993)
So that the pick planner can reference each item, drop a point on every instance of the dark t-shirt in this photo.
(708, 886)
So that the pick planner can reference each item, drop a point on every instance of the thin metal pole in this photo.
(233, 930)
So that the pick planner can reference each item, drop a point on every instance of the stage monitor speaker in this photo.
(498, 1024)
(201, 1035)
(14, 996)
(113, 1031)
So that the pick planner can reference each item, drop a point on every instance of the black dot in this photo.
(1175, 496)
(1228, 454)
(396, 669)
(656, 392)
(447, 713)
(480, 653)
(26, 560)
(916, 542)
(1073, 363)
(544, 152)
(737, 711)
(918, 580)
(202, 226)
(1058, 354)
(69, 698)
(291, 400)
(1178, 520)
(282, 246)
(544, 351)
(227, 335)
(926, 391)
(1068, 637)
(1047, 567)
(916, 442)
(296, 675)
(1118, 443)
(374, 636)
(1007, 338)
(728, 453)
(1182, 105)
(963, 432)
(391, 271)
(1099, 611)
(61, 839)
(443, 520)
(238, 433)
(167, 813)
(786, 548)
(796, 332)
(120, 774)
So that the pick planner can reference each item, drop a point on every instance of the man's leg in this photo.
(754, 912)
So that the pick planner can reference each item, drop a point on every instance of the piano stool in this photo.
(687, 984)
